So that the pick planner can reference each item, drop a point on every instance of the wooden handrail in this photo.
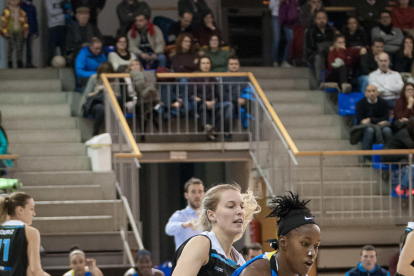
(121, 116)
(9, 156)
(268, 106)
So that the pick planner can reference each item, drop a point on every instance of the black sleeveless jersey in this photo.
(13, 249)
(218, 264)
(408, 230)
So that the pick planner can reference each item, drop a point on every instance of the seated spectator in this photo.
(318, 40)
(368, 264)
(368, 12)
(372, 120)
(309, 11)
(4, 143)
(30, 9)
(355, 36)
(219, 58)
(233, 92)
(180, 27)
(403, 109)
(403, 17)
(197, 7)
(388, 82)
(337, 65)
(147, 42)
(143, 265)
(88, 61)
(288, 17)
(369, 61)
(208, 103)
(57, 30)
(205, 31)
(126, 11)
(121, 56)
(402, 139)
(251, 251)
(393, 37)
(186, 59)
(80, 265)
(403, 60)
(80, 34)
(93, 97)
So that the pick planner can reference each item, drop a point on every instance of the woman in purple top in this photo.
(288, 17)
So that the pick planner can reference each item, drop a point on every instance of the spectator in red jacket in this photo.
(403, 17)
(337, 64)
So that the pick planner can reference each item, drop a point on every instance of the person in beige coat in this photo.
(147, 42)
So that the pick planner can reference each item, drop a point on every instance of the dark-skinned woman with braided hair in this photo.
(297, 245)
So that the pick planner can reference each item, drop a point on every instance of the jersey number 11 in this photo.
(6, 243)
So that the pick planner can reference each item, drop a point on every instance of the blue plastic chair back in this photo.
(376, 160)
(347, 103)
(165, 267)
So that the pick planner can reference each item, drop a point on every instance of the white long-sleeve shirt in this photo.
(389, 84)
(175, 228)
(274, 6)
(55, 14)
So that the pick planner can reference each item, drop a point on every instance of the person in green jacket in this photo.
(219, 58)
(3, 148)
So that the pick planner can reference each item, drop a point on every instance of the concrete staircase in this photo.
(73, 204)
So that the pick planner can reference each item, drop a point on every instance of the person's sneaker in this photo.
(275, 64)
(228, 137)
(20, 64)
(211, 137)
(346, 87)
(328, 85)
(286, 64)
(209, 128)
(10, 64)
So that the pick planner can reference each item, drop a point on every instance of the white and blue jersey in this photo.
(218, 264)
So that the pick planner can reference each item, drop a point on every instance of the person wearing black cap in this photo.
(297, 245)
(143, 265)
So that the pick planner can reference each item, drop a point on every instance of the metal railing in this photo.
(126, 166)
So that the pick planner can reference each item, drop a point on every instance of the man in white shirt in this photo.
(389, 83)
(180, 225)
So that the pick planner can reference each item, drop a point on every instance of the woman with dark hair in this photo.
(297, 244)
(403, 60)
(4, 143)
(403, 109)
(186, 59)
(20, 253)
(355, 36)
(219, 57)
(209, 28)
(143, 265)
(121, 56)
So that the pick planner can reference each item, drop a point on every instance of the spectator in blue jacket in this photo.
(368, 264)
(3, 149)
(30, 10)
(88, 61)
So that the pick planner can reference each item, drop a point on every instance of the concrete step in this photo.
(284, 109)
(34, 111)
(281, 96)
(48, 149)
(41, 123)
(284, 84)
(336, 188)
(310, 120)
(44, 136)
(338, 174)
(88, 242)
(66, 178)
(68, 208)
(29, 74)
(49, 164)
(65, 192)
(314, 161)
(62, 259)
(33, 98)
(277, 73)
(75, 224)
(349, 204)
(315, 133)
(36, 85)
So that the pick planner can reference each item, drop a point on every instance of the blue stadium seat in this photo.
(165, 267)
(376, 160)
(347, 103)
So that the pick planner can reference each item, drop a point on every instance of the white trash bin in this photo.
(99, 151)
